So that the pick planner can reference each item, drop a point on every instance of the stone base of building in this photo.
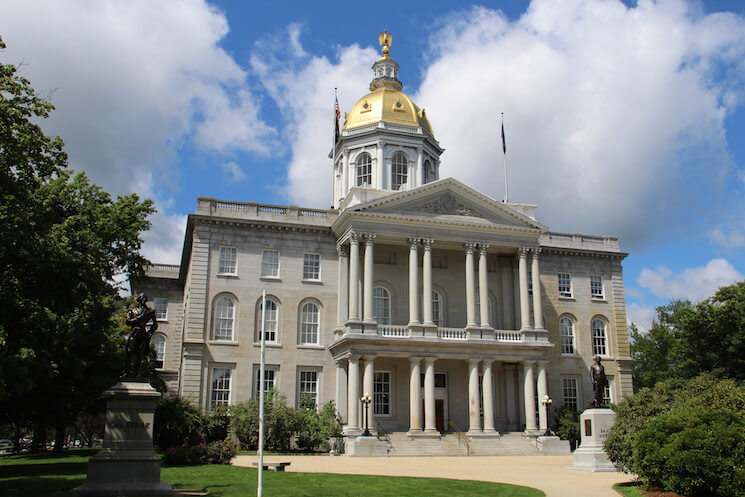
(595, 426)
(424, 434)
(365, 446)
(483, 434)
(553, 446)
(127, 465)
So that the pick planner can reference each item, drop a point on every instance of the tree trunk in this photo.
(40, 438)
(59, 439)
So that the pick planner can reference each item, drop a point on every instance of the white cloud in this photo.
(165, 239)
(694, 284)
(233, 172)
(132, 81)
(641, 315)
(302, 86)
(729, 239)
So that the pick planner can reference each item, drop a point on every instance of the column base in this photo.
(485, 434)
(351, 432)
(533, 432)
(354, 326)
(432, 433)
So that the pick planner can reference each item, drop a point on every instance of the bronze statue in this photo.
(599, 382)
(143, 323)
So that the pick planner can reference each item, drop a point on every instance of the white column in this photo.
(368, 385)
(342, 314)
(345, 177)
(470, 286)
(353, 397)
(427, 283)
(419, 176)
(529, 392)
(368, 285)
(342, 390)
(430, 425)
(414, 281)
(354, 268)
(415, 395)
(542, 392)
(524, 304)
(508, 315)
(487, 386)
(537, 300)
(474, 419)
(379, 168)
(516, 292)
(513, 411)
(483, 287)
(500, 397)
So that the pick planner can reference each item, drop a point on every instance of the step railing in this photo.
(462, 437)
(383, 435)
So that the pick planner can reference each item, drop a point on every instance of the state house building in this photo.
(451, 309)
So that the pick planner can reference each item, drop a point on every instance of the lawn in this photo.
(630, 489)
(36, 476)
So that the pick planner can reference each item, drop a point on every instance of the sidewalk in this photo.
(547, 473)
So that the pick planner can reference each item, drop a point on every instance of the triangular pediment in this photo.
(450, 199)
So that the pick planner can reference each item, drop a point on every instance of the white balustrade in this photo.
(452, 333)
(272, 209)
(507, 336)
(312, 213)
(230, 206)
(396, 331)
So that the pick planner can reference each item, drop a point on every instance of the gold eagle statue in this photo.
(385, 39)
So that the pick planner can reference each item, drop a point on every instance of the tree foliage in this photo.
(62, 241)
(689, 339)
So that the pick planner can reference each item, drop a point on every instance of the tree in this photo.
(62, 241)
(689, 339)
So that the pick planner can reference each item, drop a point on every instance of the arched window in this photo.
(158, 343)
(599, 338)
(381, 305)
(224, 319)
(364, 169)
(566, 333)
(270, 321)
(399, 170)
(437, 308)
(427, 175)
(309, 324)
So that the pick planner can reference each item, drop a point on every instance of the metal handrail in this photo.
(384, 434)
(462, 437)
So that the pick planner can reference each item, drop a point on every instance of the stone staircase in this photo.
(509, 444)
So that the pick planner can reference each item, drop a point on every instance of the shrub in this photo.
(221, 452)
(215, 424)
(176, 456)
(177, 422)
(566, 425)
(279, 422)
(694, 451)
(315, 428)
(197, 454)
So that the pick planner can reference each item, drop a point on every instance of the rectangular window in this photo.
(382, 395)
(569, 390)
(160, 306)
(607, 391)
(312, 266)
(270, 263)
(441, 380)
(270, 381)
(596, 287)
(228, 258)
(220, 395)
(308, 389)
(565, 285)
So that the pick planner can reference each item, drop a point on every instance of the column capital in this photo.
(473, 362)
(427, 243)
(429, 360)
(469, 246)
(339, 363)
(415, 359)
(413, 242)
(341, 250)
(487, 362)
(483, 247)
(353, 358)
(522, 252)
(536, 252)
(369, 237)
(354, 237)
(529, 364)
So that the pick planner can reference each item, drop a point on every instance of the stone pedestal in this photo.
(127, 465)
(366, 446)
(595, 426)
(553, 445)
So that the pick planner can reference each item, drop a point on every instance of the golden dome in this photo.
(390, 106)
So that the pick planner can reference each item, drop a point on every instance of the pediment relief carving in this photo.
(447, 204)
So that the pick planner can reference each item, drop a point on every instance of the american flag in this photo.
(337, 115)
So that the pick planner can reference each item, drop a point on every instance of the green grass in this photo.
(37, 476)
(629, 489)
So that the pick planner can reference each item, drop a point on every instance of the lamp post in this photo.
(546, 401)
(366, 400)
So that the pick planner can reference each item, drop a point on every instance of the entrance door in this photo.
(440, 414)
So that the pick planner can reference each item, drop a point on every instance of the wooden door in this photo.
(440, 414)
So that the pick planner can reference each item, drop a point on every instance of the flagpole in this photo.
(504, 155)
(336, 137)
(260, 486)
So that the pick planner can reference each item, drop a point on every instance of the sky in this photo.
(623, 118)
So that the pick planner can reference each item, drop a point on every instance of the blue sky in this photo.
(621, 117)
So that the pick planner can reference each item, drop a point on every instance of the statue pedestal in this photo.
(595, 426)
(127, 465)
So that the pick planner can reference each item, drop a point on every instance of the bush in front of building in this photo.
(216, 424)
(220, 452)
(178, 422)
(315, 428)
(694, 451)
(566, 425)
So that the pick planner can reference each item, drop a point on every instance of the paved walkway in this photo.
(547, 473)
